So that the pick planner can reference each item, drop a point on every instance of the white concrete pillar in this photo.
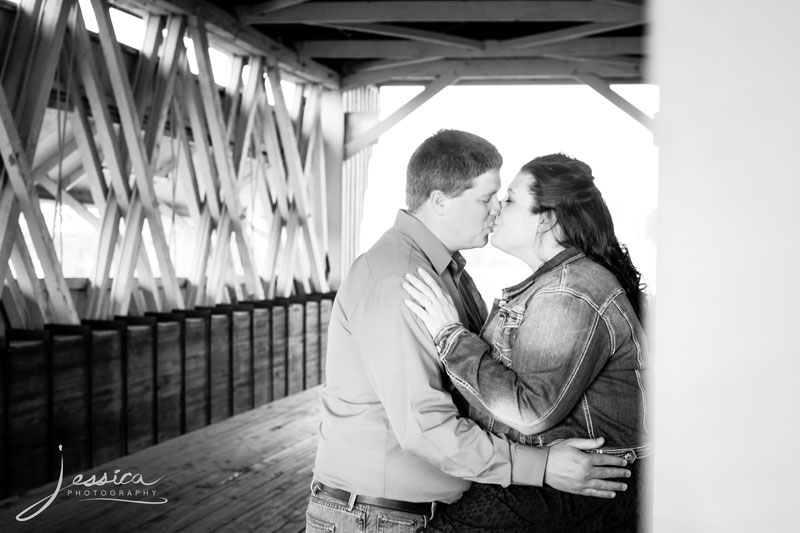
(727, 320)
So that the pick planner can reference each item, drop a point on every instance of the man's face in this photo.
(471, 214)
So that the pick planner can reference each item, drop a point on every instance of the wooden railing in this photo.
(107, 388)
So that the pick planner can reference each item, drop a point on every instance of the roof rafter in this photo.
(394, 49)
(567, 34)
(267, 7)
(446, 11)
(411, 34)
(495, 69)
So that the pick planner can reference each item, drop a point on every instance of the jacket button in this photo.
(629, 456)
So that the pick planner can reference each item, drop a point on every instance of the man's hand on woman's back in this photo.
(571, 469)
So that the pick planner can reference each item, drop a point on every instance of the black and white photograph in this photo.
(405, 266)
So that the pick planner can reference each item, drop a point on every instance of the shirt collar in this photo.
(559, 259)
(431, 246)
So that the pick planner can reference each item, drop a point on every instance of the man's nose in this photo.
(494, 206)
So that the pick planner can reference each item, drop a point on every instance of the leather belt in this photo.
(421, 508)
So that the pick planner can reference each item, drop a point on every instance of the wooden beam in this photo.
(30, 107)
(142, 169)
(297, 180)
(219, 259)
(9, 215)
(445, 11)
(273, 255)
(38, 30)
(98, 102)
(409, 33)
(567, 34)
(605, 90)
(52, 187)
(202, 246)
(222, 155)
(381, 64)
(36, 307)
(275, 173)
(233, 96)
(228, 33)
(533, 69)
(372, 134)
(250, 96)
(389, 49)
(18, 169)
(16, 66)
(50, 148)
(204, 165)
(265, 7)
(106, 244)
(164, 84)
(188, 178)
(88, 147)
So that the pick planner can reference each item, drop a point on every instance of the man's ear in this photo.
(438, 201)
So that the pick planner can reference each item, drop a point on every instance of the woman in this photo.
(561, 354)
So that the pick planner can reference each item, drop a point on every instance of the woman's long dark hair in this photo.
(566, 186)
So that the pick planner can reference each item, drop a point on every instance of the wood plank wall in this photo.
(107, 388)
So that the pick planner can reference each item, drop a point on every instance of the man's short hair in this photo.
(448, 161)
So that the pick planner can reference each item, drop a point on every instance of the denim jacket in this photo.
(561, 355)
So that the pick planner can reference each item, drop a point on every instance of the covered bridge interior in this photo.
(221, 208)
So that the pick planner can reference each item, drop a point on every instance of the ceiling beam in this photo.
(535, 69)
(266, 7)
(229, 34)
(394, 49)
(379, 64)
(411, 34)
(567, 34)
(447, 11)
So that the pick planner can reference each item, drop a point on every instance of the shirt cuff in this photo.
(445, 335)
(528, 464)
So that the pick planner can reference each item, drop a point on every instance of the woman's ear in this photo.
(547, 221)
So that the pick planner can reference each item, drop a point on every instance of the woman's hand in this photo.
(434, 307)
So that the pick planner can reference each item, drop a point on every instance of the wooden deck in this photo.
(247, 473)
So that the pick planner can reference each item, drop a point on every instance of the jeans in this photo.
(326, 513)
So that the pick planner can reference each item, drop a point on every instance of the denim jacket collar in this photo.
(556, 261)
(430, 245)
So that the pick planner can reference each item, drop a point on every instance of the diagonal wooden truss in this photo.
(251, 173)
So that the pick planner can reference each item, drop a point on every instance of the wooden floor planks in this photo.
(247, 473)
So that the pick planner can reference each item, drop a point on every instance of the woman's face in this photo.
(515, 230)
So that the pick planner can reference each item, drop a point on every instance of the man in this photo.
(392, 444)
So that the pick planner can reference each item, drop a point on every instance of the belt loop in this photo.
(352, 501)
(433, 509)
(314, 487)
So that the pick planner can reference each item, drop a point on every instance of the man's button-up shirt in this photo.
(389, 427)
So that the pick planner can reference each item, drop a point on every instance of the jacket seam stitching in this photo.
(519, 421)
(588, 416)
